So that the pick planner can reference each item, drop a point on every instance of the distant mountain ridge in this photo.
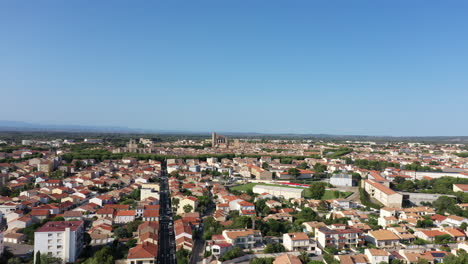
(21, 126)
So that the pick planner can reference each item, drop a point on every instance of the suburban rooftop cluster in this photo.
(241, 200)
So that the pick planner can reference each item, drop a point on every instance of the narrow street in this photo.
(199, 243)
(166, 232)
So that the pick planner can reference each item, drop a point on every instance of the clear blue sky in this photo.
(342, 67)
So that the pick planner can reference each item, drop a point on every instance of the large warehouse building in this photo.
(285, 192)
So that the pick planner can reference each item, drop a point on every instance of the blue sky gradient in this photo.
(339, 67)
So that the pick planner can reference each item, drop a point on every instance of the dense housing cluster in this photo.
(235, 200)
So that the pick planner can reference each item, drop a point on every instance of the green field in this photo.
(328, 194)
(244, 187)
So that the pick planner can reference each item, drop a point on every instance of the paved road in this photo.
(198, 243)
(166, 231)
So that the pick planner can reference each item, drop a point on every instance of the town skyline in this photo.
(20, 126)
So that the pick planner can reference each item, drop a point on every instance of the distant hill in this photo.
(20, 126)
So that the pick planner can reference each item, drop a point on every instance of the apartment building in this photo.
(339, 236)
(243, 238)
(63, 239)
(298, 241)
(260, 173)
(383, 238)
(383, 194)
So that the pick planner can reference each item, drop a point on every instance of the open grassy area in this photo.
(328, 194)
(244, 187)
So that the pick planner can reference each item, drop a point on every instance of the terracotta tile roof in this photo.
(378, 252)
(352, 259)
(454, 232)
(287, 259)
(383, 235)
(142, 251)
(438, 217)
(298, 236)
(463, 187)
(233, 234)
(433, 233)
(54, 226)
(40, 212)
(125, 213)
(381, 187)
(151, 213)
(244, 203)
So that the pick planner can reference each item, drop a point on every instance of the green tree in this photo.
(424, 223)
(444, 204)
(14, 261)
(46, 259)
(103, 256)
(320, 168)
(294, 172)
(188, 208)
(303, 165)
(304, 257)
(233, 253)
(274, 248)
(463, 226)
(442, 239)
(38, 257)
(460, 258)
(317, 190)
(261, 261)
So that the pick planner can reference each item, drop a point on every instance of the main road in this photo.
(166, 231)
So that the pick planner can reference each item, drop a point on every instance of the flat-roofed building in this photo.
(339, 236)
(341, 180)
(63, 239)
(279, 191)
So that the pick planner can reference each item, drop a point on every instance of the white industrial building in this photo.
(341, 180)
(279, 191)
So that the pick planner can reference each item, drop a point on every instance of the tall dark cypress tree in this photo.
(38, 257)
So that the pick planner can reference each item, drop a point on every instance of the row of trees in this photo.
(378, 165)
